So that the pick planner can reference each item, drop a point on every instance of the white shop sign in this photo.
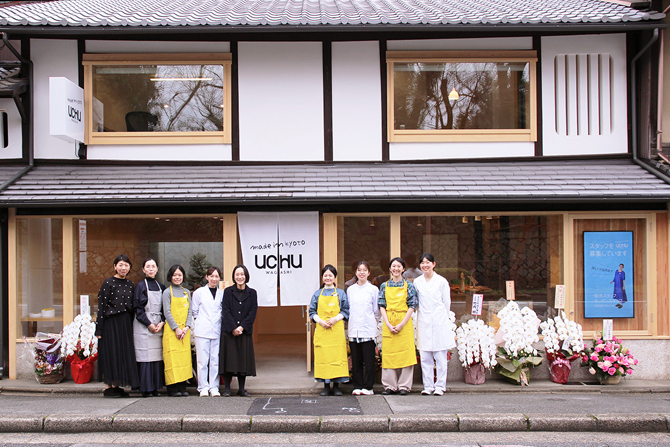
(66, 110)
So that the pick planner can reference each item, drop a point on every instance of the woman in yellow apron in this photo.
(177, 336)
(397, 302)
(329, 306)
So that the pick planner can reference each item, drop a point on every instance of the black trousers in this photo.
(363, 364)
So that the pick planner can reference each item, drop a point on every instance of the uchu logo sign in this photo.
(270, 262)
(72, 112)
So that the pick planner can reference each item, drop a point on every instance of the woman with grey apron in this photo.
(148, 330)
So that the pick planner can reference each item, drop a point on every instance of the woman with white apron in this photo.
(435, 333)
(397, 302)
(328, 307)
(148, 330)
(177, 336)
(207, 331)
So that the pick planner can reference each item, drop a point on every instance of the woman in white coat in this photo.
(206, 307)
(435, 335)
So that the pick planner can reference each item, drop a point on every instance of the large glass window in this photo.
(141, 99)
(479, 254)
(602, 267)
(195, 243)
(363, 238)
(39, 275)
(447, 96)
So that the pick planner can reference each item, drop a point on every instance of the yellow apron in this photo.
(398, 350)
(330, 345)
(177, 353)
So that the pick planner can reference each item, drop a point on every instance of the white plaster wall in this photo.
(51, 58)
(571, 98)
(161, 152)
(497, 43)
(357, 106)
(281, 101)
(15, 148)
(127, 46)
(432, 151)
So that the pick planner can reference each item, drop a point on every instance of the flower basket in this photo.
(48, 359)
(560, 366)
(50, 378)
(82, 370)
(475, 374)
(80, 345)
(608, 360)
(611, 380)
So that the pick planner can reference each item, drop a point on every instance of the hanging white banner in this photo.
(298, 257)
(258, 239)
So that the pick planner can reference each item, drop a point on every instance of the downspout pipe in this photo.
(633, 96)
(29, 136)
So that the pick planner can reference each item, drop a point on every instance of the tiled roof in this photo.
(161, 13)
(345, 183)
(10, 81)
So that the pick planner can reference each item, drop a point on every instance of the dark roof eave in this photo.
(63, 31)
(330, 201)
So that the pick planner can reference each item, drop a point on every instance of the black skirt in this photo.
(152, 375)
(116, 352)
(236, 355)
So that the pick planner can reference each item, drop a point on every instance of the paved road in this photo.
(539, 439)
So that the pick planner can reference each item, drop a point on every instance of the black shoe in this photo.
(121, 392)
(226, 393)
(403, 392)
(110, 392)
(325, 392)
(155, 394)
(147, 394)
(174, 394)
(619, 305)
(184, 394)
(336, 391)
(243, 393)
(388, 392)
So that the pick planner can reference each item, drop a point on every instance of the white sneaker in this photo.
(438, 393)
(426, 392)
(214, 393)
(365, 392)
(356, 392)
(204, 393)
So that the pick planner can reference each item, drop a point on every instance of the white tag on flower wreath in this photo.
(566, 344)
(608, 329)
(477, 304)
(510, 290)
(559, 299)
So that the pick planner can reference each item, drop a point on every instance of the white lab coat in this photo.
(207, 313)
(435, 332)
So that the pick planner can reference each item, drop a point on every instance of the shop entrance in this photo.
(283, 349)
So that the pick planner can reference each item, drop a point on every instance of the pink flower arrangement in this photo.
(608, 358)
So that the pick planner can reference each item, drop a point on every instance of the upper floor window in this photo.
(462, 96)
(157, 98)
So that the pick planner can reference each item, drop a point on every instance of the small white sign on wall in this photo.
(66, 110)
(608, 329)
(559, 300)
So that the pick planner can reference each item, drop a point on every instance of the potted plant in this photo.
(608, 360)
(48, 359)
(80, 347)
(476, 350)
(515, 337)
(563, 343)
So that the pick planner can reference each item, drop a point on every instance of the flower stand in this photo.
(50, 379)
(560, 366)
(610, 380)
(82, 370)
(475, 374)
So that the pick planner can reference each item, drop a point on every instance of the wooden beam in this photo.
(68, 270)
(11, 288)
(229, 247)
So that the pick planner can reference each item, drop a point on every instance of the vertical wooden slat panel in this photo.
(605, 95)
(68, 271)
(593, 94)
(330, 239)
(582, 94)
(571, 93)
(12, 292)
(662, 279)
(395, 235)
(229, 246)
(559, 86)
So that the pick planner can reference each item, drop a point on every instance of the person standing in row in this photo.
(114, 327)
(239, 307)
(148, 330)
(207, 331)
(177, 336)
(435, 335)
(397, 303)
(328, 307)
(363, 315)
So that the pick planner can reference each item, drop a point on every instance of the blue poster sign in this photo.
(608, 274)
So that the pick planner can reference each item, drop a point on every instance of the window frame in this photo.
(90, 60)
(462, 135)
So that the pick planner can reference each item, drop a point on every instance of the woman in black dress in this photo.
(116, 350)
(236, 355)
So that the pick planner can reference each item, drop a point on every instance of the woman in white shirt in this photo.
(206, 307)
(435, 335)
(363, 316)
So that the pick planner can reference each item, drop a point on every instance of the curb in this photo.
(515, 422)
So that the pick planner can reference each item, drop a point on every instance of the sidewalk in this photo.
(633, 405)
